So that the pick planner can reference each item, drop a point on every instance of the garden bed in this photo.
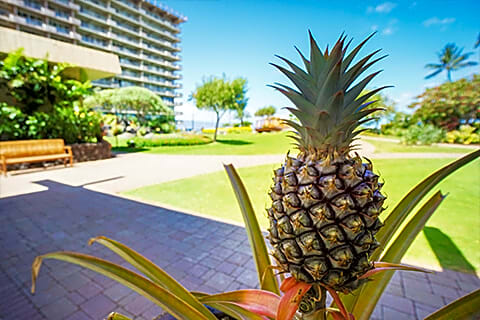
(91, 151)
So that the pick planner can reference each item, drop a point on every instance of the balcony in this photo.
(160, 42)
(163, 53)
(129, 65)
(128, 42)
(95, 5)
(165, 74)
(90, 16)
(162, 33)
(121, 15)
(161, 21)
(117, 25)
(130, 7)
(66, 4)
(121, 51)
(97, 32)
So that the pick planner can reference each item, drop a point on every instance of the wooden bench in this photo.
(27, 151)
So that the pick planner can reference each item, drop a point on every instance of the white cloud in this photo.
(388, 31)
(384, 7)
(390, 28)
(436, 21)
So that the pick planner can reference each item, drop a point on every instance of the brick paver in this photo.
(203, 254)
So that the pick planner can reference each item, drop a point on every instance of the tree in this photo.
(141, 100)
(450, 104)
(267, 111)
(381, 101)
(451, 59)
(477, 43)
(242, 100)
(219, 95)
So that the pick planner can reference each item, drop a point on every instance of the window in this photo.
(61, 28)
(31, 19)
(129, 61)
(33, 4)
(93, 26)
(92, 13)
(94, 40)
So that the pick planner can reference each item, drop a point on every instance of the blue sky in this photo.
(240, 38)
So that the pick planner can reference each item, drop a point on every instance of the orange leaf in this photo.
(339, 303)
(261, 302)
(292, 298)
(287, 284)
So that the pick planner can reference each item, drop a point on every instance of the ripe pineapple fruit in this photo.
(326, 201)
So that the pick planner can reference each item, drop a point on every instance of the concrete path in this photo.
(202, 254)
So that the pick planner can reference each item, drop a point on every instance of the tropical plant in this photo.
(423, 135)
(451, 59)
(477, 43)
(267, 111)
(465, 135)
(450, 104)
(74, 125)
(36, 85)
(143, 102)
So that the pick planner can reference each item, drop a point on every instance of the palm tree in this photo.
(451, 59)
(478, 42)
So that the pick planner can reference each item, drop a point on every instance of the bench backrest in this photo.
(27, 148)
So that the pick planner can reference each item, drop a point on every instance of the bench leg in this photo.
(71, 161)
(65, 162)
(4, 169)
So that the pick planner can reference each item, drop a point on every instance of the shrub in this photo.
(229, 130)
(173, 140)
(465, 135)
(12, 123)
(423, 134)
(73, 125)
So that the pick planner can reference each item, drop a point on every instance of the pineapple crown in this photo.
(327, 103)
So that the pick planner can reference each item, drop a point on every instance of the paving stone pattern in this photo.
(202, 254)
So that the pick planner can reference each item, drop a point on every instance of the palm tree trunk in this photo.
(449, 77)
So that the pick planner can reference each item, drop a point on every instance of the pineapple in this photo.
(326, 200)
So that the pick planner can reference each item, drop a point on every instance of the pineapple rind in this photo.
(324, 219)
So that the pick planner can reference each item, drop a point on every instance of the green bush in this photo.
(423, 134)
(12, 122)
(173, 140)
(73, 125)
(465, 135)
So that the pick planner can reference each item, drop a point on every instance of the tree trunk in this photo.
(449, 76)
(216, 127)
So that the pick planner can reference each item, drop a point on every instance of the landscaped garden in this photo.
(261, 143)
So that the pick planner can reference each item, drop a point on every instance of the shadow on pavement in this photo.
(447, 252)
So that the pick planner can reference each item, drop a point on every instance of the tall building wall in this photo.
(144, 35)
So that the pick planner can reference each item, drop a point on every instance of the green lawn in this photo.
(388, 146)
(451, 240)
(265, 143)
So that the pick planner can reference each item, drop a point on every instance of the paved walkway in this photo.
(202, 254)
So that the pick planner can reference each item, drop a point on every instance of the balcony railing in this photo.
(96, 5)
(66, 4)
(160, 20)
